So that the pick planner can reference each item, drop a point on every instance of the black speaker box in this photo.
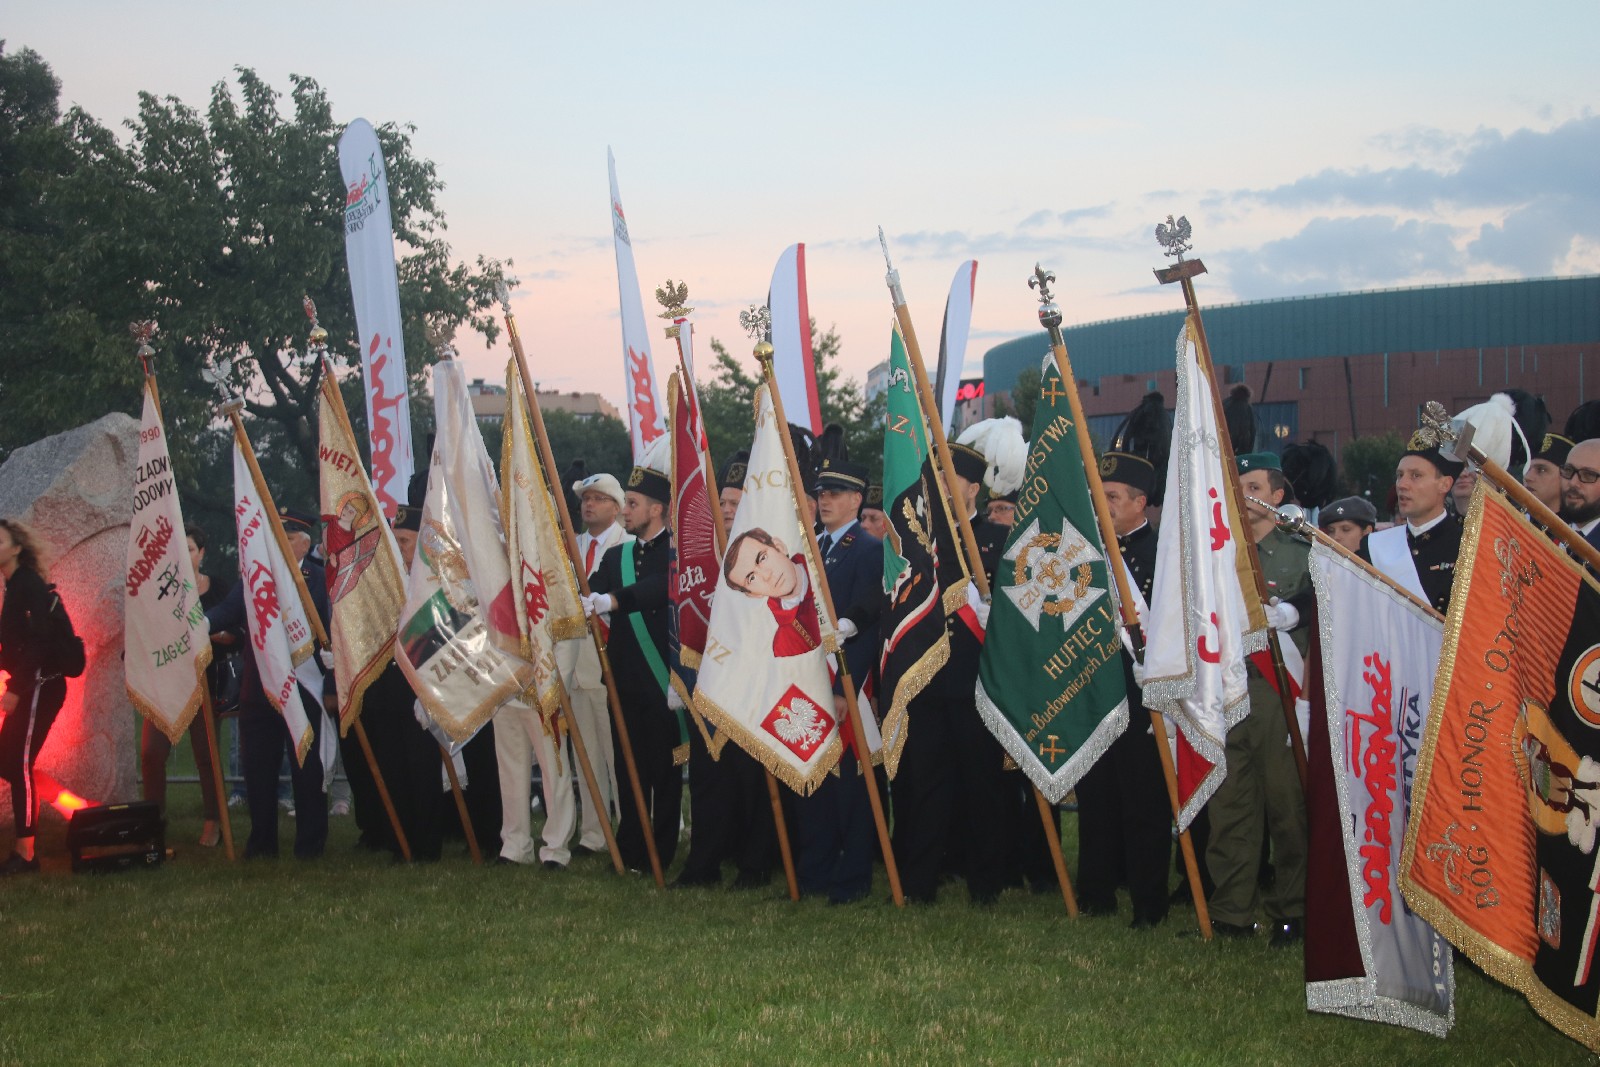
(114, 837)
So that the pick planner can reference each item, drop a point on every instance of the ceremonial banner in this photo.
(1208, 617)
(1050, 685)
(1378, 653)
(369, 253)
(915, 642)
(692, 574)
(459, 638)
(281, 639)
(365, 584)
(167, 643)
(953, 339)
(794, 364)
(547, 604)
(764, 675)
(1499, 853)
(645, 423)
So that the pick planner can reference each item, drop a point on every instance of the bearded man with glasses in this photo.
(1580, 490)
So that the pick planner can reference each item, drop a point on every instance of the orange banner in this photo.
(1500, 849)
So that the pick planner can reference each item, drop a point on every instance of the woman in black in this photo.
(32, 699)
(154, 748)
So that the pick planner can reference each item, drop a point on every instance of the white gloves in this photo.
(1127, 643)
(1282, 617)
(979, 608)
(598, 604)
(1138, 674)
(325, 657)
(846, 629)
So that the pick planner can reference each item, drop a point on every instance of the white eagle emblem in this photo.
(799, 723)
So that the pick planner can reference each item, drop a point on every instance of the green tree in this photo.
(1369, 465)
(1023, 399)
(215, 224)
(727, 399)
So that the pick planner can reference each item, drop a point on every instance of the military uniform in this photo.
(652, 727)
(1433, 553)
(1124, 814)
(1261, 793)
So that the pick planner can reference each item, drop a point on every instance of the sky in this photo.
(1351, 146)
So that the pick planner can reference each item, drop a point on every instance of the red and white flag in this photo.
(1206, 619)
(1379, 652)
(459, 640)
(794, 364)
(646, 416)
(375, 286)
(281, 639)
(953, 338)
(166, 642)
(764, 681)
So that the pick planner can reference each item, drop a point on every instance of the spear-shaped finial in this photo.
(142, 331)
(893, 276)
(1049, 313)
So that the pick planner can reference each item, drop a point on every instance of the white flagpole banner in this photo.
(280, 636)
(764, 679)
(794, 364)
(375, 286)
(459, 639)
(166, 637)
(953, 338)
(646, 417)
(1199, 632)
(1379, 654)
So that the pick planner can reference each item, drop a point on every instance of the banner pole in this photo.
(209, 715)
(558, 491)
(383, 789)
(1050, 317)
(461, 804)
(1184, 273)
(763, 353)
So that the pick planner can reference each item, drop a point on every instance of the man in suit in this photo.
(630, 590)
(835, 822)
(1580, 490)
(263, 735)
(1124, 815)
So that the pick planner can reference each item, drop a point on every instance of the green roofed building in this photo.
(1329, 368)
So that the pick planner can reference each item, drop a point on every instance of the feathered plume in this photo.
(1311, 469)
(805, 445)
(1001, 443)
(1584, 422)
(658, 457)
(1241, 419)
(1494, 424)
(1147, 433)
(1533, 418)
(831, 444)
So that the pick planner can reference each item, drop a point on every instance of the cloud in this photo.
(1337, 254)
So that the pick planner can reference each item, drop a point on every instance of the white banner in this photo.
(1379, 653)
(1199, 632)
(646, 417)
(794, 364)
(165, 635)
(764, 680)
(375, 287)
(459, 639)
(953, 338)
(280, 637)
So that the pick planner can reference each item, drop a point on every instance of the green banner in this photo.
(1051, 685)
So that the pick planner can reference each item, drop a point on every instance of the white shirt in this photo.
(1418, 531)
(611, 535)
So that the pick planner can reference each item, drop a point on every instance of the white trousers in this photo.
(519, 739)
(580, 673)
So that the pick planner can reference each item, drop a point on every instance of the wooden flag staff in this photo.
(945, 483)
(1050, 318)
(542, 439)
(142, 332)
(763, 353)
(673, 298)
(232, 408)
(1174, 237)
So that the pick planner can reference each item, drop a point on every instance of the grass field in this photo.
(354, 959)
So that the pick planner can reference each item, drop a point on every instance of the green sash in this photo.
(652, 657)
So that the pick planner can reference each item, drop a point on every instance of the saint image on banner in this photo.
(351, 542)
(760, 566)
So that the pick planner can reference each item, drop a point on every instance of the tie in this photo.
(825, 544)
(588, 557)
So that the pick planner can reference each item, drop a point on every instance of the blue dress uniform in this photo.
(835, 822)
(263, 735)
(652, 727)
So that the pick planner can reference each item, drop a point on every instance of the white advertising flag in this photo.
(375, 287)
(646, 418)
